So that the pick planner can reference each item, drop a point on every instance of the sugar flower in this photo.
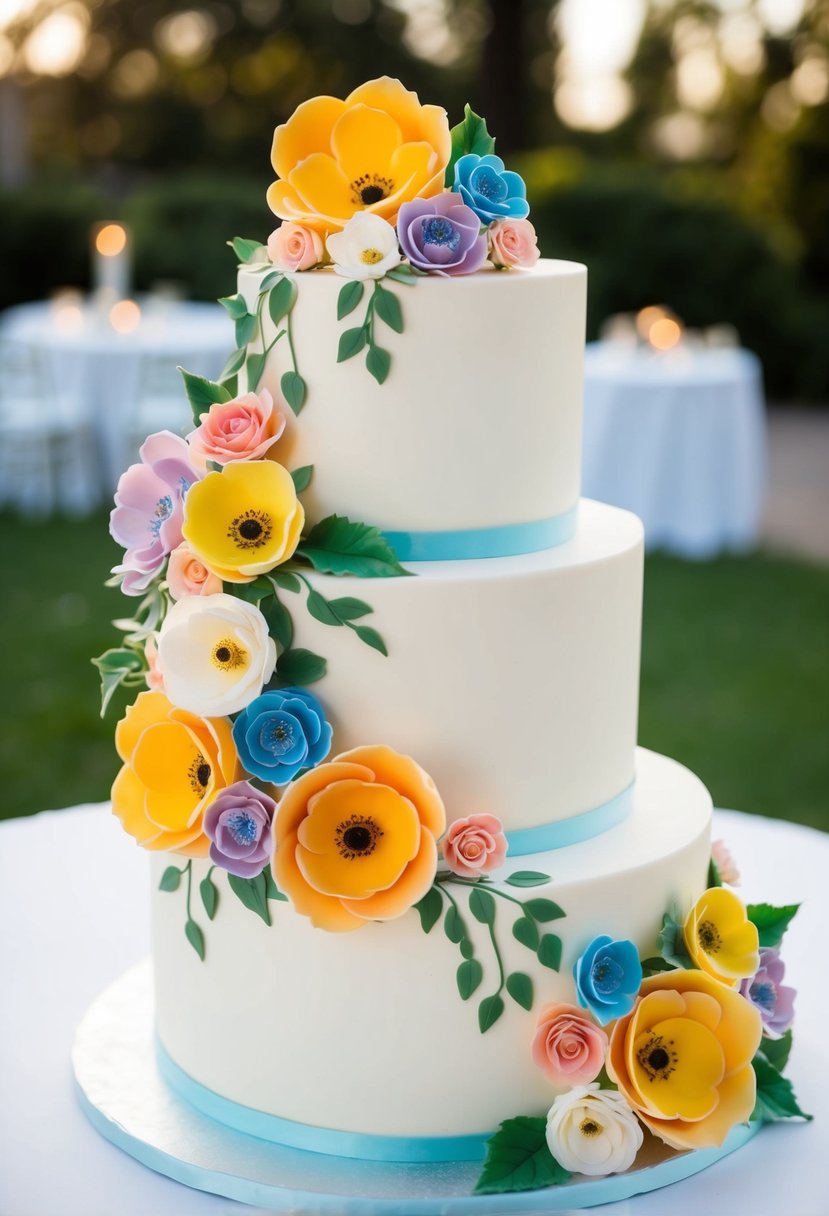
(238, 825)
(241, 429)
(607, 977)
(682, 1058)
(568, 1046)
(490, 189)
(281, 733)
(245, 520)
(767, 992)
(153, 676)
(726, 866)
(441, 235)
(148, 513)
(720, 938)
(356, 838)
(371, 152)
(293, 247)
(174, 766)
(512, 243)
(474, 846)
(365, 249)
(188, 575)
(593, 1131)
(215, 654)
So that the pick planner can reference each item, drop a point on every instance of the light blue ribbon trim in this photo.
(470, 543)
(574, 830)
(318, 1139)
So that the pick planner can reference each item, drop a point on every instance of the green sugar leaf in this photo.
(371, 638)
(253, 893)
(253, 592)
(281, 299)
(234, 306)
(771, 922)
(209, 896)
(195, 937)
(351, 343)
(466, 948)
(714, 879)
(120, 659)
(387, 307)
(527, 878)
(254, 367)
(231, 383)
(280, 625)
(170, 879)
(429, 909)
(470, 135)
(525, 931)
(776, 1051)
(351, 294)
(489, 1011)
(775, 1097)
(294, 390)
(246, 249)
(202, 393)
(403, 274)
(453, 925)
(245, 329)
(656, 965)
(285, 580)
(549, 951)
(518, 1159)
(482, 906)
(234, 364)
(348, 608)
(672, 943)
(336, 545)
(268, 280)
(299, 667)
(378, 363)
(543, 910)
(302, 477)
(321, 610)
(469, 976)
(272, 891)
(520, 988)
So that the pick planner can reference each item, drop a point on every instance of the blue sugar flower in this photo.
(281, 733)
(489, 189)
(607, 977)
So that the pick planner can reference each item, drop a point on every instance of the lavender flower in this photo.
(770, 995)
(441, 235)
(238, 822)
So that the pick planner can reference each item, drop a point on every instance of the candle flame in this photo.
(111, 240)
(664, 333)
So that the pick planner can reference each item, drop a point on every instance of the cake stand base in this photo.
(125, 1099)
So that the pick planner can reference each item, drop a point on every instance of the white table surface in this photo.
(74, 911)
(93, 363)
(679, 438)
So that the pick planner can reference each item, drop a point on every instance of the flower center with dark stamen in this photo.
(370, 189)
(437, 230)
(228, 655)
(199, 774)
(251, 530)
(357, 837)
(657, 1057)
(589, 1127)
(709, 937)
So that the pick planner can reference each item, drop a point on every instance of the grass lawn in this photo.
(735, 673)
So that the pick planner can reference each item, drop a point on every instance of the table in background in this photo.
(110, 377)
(679, 438)
(74, 910)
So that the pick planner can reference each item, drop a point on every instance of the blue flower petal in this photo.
(515, 184)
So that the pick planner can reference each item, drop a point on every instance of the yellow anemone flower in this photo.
(682, 1058)
(372, 152)
(721, 940)
(245, 520)
(356, 838)
(174, 765)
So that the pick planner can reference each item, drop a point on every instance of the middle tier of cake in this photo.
(513, 681)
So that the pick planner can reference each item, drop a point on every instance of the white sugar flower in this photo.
(365, 249)
(215, 654)
(593, 1131)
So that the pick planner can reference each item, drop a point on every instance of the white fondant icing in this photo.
(479, 422)
(366, 1031)
(513, 681)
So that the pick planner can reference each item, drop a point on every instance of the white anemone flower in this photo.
(215, 654)
(365, 249)
(593, 1131)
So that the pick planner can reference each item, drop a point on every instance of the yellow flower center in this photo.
(369, 188)
(589, 1127)
(709, 937)
(357, 836)
(251, 530)
(227, 655)
(371, 257)
(199, 774)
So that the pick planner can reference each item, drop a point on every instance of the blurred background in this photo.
(680, 148)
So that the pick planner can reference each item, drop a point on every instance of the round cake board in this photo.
(126, 1100)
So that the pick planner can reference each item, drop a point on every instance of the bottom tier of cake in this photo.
(366, 1035)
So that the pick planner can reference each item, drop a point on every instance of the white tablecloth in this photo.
(679, 438)
(74, 905)
(101, 369)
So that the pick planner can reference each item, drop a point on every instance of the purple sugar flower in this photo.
(770, 995)
(149, 508)
(441, 235)
(238, 822)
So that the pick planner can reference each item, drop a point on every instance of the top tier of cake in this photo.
(478, 425)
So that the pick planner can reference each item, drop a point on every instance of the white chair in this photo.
(160, 402)
(48, 453)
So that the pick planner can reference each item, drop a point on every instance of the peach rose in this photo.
(188, 575)
(153, 676)
(474, 846)
(568, 1046)
(294, 247)
(241, 429)
(356, 838)
(513, 243)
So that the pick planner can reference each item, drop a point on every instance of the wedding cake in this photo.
(417, 895)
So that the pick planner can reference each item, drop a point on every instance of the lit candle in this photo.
(110, 261)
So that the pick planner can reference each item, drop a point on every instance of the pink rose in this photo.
(241, 429)
(188, 575)
(474, 846)
(513, 243)
(568, 1046)
(294, 247)
(154, 678)
(725, 863)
